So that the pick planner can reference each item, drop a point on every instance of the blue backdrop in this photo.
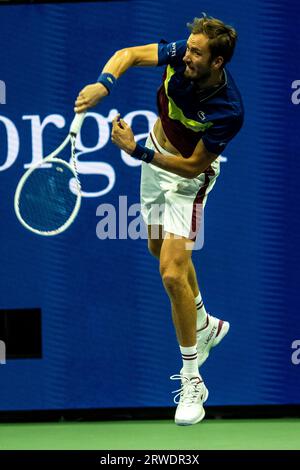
(107, 335)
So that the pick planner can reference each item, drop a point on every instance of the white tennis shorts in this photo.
(172, 201)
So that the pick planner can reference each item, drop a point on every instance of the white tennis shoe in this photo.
(210, 336)
(190, 398)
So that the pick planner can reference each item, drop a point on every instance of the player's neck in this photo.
(214, 81)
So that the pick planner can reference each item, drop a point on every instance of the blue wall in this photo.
(108, 340)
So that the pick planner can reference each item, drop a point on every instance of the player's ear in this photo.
(218, 62)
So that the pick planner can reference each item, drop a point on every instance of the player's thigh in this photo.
(175, 255)
(155, 239)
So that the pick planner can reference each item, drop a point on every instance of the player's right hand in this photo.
(89, 96)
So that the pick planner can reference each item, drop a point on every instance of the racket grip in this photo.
(77, 123)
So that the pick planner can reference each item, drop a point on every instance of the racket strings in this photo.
(48, 197)
(47, 201)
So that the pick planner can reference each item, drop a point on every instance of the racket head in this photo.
(48, 197)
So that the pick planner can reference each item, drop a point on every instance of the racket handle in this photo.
(77, 123)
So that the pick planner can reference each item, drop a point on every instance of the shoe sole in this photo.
(216, 341)
(189, 423)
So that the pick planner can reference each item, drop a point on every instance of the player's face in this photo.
(197, 58)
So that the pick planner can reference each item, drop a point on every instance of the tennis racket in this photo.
(48, 196)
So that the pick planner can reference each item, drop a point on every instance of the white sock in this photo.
(190, 362)
(201, 313)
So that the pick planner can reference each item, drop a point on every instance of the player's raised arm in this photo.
(121, 61)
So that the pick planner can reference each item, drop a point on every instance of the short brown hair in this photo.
(222, 37)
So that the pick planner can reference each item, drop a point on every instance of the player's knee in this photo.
(172, 281)
(172, 275)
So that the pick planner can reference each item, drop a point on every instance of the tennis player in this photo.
(200, 111)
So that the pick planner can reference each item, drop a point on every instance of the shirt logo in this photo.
(201, 115)
(173, 49)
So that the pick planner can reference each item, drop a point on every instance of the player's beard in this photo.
(197, 75)
(200, 75)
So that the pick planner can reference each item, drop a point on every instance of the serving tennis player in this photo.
(200, 110)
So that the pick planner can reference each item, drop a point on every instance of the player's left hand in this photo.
(122, 135)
